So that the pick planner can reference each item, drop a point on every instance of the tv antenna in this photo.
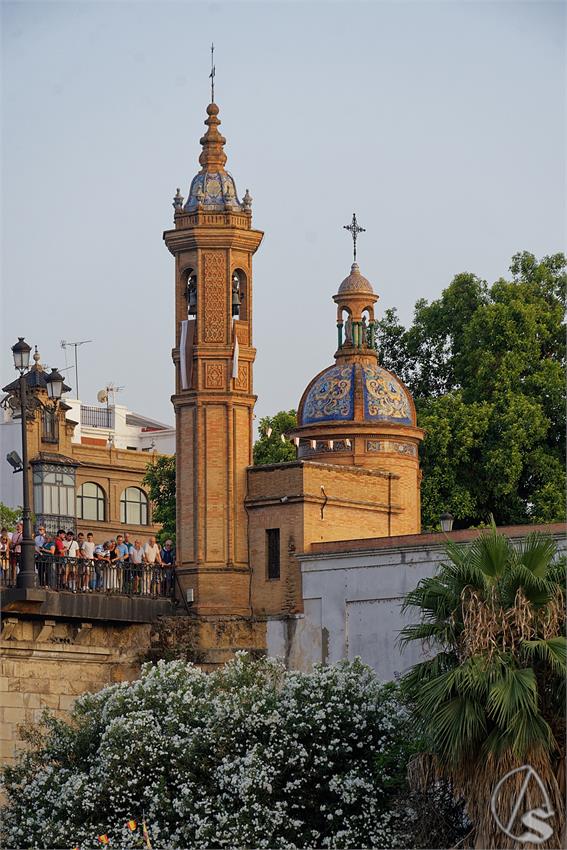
(75, 345)
(110, 390)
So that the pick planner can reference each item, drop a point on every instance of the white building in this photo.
(353, 591)
(97, 424)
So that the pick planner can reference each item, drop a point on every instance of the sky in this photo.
(442, 124)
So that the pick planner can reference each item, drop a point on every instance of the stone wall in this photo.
(45, 664)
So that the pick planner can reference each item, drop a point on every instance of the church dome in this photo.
(355, 282)
(215, 190)
(331, 395)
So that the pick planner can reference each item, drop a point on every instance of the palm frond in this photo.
(431, 632)
(458, 727)
(537, 590)
(537, 553)
(424, 671)
(515, 692)
(552, 651)
(491, 553)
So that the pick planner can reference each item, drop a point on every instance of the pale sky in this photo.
(442, 124)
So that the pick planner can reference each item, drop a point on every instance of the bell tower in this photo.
(213, 244)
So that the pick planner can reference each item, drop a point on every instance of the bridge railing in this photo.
(80, 575)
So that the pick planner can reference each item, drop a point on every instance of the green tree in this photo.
(492, 698)
(9, 516)
(271, 449)
(486, 367)
(160, 481)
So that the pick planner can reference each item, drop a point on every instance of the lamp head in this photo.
(21, 351)
(54, 382)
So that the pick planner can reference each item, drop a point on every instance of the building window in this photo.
(134, 506)
(273, 550)
(49, 426)
(90, 502)
(54, 492)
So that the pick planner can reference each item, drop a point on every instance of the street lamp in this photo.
(446, 522)
(21, 351)
(27, 577)
(54, 383)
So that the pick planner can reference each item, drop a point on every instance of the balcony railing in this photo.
(77, 575)
(97, 417)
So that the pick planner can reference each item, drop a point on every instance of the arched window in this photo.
(134, 506)
(54, 490)
(90, 502)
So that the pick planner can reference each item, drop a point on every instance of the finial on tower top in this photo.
(354, 229)
(212, 74)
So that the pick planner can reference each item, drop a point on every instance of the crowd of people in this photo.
(65, 561)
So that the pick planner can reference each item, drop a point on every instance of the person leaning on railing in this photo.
(4, 556)
(152, 557)
(48, 563)
(168, 560)
(88, 580)
(137, 568)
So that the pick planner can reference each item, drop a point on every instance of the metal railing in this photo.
(78, 575)
(97, 417)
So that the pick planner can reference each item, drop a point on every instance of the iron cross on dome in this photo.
(354, 229)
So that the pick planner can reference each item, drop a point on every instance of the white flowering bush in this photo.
(248, 756)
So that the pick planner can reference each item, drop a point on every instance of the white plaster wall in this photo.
(353, 608)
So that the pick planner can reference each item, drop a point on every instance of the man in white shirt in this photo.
(152, 556)
(138, 570)
(71, 566)
(87, 554)
(152, 552)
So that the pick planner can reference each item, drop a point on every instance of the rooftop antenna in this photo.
(212, 74)
(112, 389)
(75, 345)
(354, 229)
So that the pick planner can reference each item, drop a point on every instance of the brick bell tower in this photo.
(213, 244)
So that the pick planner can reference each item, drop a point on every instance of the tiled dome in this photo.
(330, 396)
(215, 190)
(355, 282)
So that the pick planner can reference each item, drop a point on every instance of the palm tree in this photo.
(492, 698)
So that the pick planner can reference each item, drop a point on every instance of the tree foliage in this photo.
(249, 755)
(271, 449)
(492, 698)
(160, 481)
(486, 367)
(9, 516)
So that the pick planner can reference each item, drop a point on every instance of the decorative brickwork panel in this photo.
(214, 263)
(242, 332)
(241, 382)
(214, 375)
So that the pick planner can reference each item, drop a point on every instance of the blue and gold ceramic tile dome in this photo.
(215, 190)
(330, 397)
(385, 399)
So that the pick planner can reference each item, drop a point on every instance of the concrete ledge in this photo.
(85, 606)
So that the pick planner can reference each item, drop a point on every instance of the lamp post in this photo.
(446, 522)
(27, 577)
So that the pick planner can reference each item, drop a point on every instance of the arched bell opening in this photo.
(344, 326)
(367, 330)
(239, 294)
(190, 292)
